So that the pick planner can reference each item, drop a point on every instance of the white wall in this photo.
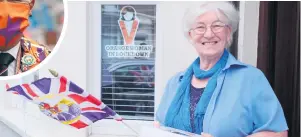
(174, 52)
(248, 32)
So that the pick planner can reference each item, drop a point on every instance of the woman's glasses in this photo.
(215, 27)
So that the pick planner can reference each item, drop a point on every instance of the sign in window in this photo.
(128, 41)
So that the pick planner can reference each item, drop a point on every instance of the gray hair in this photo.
(229, 13)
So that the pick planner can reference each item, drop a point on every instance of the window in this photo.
(127, 65)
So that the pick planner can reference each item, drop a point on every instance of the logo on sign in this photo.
(128, 23)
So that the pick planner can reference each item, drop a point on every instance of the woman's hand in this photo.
(205, 135)
(156, 124)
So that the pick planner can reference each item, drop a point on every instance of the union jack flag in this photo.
(64, 101)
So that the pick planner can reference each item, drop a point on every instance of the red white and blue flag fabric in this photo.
(64, 101)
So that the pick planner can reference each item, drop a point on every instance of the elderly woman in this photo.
(218, 96)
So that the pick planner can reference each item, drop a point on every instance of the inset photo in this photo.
(29, 31)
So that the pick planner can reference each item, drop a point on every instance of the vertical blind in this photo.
(128, 83)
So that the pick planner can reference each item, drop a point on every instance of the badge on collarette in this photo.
(28, 59)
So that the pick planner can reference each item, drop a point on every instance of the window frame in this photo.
(93, 65)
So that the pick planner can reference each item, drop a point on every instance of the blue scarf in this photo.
(178, 114)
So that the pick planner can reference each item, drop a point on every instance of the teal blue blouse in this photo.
(243, 103)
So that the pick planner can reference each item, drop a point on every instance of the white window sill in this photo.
(14, 119)
(112, 128)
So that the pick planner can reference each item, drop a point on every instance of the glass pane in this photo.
(128, 41)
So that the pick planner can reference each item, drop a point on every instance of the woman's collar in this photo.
(232, 61)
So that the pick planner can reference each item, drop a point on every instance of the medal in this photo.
(28, 59)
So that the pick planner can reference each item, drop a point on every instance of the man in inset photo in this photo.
(17, 53)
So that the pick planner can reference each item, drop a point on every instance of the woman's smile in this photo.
(209, 43)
